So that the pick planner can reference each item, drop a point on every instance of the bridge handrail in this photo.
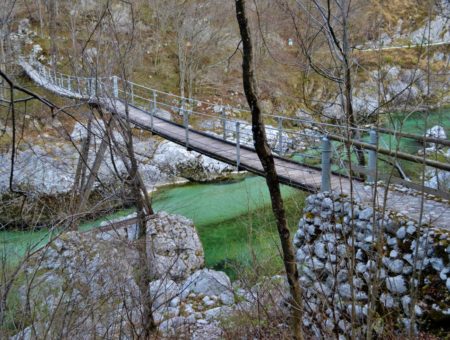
(301, 121)
(108, 87)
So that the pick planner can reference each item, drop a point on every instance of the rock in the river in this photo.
(437, 179)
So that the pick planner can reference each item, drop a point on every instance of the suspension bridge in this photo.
(221, 133)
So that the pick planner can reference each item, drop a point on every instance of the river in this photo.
(229, 216)
(233, 218)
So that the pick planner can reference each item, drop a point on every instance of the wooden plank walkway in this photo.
(290, 173)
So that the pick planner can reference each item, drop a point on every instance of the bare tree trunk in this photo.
(143, 210)
(41, 19)
(79, 173)
(87, 189)
(267, 161)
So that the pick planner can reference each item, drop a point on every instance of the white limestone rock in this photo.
(162, 293)
(401, 233)
(396, 284)
(173, 246)
(387, 300)
(218, 313)
(175, 160)
(209, 282)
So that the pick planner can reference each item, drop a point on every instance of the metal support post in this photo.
(78, 85)
(150, 110)
(155, 107)
(280, 135)
(326, 165)
(94, 86)
(69, 83)
(182, 107)
(115, 87)
(372, 157)
(132, 93)
(238, 145)
(89, 87)
(224, 123)
(186, 125)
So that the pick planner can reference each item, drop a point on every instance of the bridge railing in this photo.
(310, 142)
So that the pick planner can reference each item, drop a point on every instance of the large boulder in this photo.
(210, 282)
(175, 160)
(437, 179)
(75, 275)
(173, 247)
(436, 131)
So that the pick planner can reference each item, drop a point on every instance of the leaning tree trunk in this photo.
(267, 161)
(143, 210)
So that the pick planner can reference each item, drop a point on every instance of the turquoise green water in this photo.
(225, 214)
(416, 123)
(221, 212)
(213, 203)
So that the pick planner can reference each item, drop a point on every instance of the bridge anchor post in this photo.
(150, 104)
(238, 145)
(372, 164)
(326, 165)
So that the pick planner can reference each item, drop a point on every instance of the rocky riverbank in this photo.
(45, 174)
(83, 285)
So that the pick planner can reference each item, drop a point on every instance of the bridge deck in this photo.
(290, 173)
